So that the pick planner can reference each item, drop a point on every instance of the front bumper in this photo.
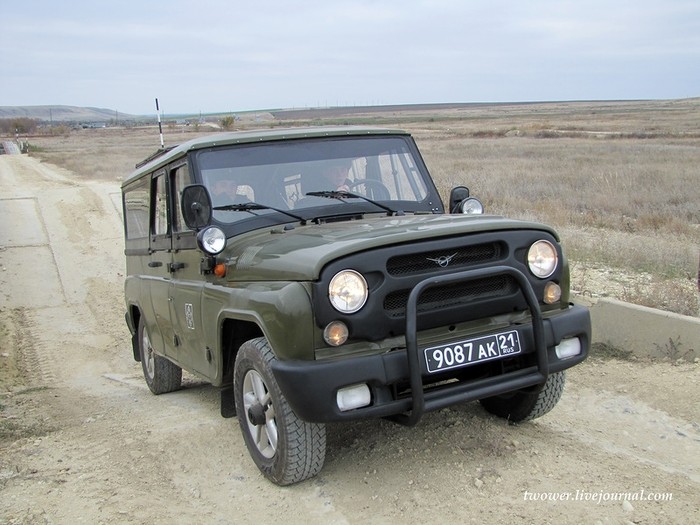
(311, 387)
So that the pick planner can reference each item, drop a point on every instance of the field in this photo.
(619, 180)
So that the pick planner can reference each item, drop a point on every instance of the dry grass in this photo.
(619, 181)
(106, 154)
(629, 203)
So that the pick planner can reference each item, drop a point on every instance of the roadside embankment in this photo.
(645, 332)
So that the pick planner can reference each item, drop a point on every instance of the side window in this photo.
(136, 210)
(160, 205)
(181, 179)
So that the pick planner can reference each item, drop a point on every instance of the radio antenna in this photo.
(160, 126)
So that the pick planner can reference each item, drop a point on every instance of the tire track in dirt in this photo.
(35, 360)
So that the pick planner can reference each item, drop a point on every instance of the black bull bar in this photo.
(426, 402)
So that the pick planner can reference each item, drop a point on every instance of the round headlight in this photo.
(542, 259)
(472, 206)
(347, 291)
(211, 240)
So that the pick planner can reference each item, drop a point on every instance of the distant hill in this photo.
(62, 113)
(88, 115)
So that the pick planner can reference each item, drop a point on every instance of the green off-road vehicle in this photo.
(316, 275)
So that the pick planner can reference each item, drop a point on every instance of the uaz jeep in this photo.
(316, 276)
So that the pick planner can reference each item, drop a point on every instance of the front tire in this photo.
(285, 448)
(524, 405)
(162, 376)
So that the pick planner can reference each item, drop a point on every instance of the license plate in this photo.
(471, 351)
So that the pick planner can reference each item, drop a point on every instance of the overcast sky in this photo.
(227, 55)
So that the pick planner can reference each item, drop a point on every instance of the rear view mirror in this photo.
(196, 206)
(457, 196)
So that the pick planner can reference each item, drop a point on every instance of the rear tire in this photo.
(524, 405)
(162, 376)
(285, 448)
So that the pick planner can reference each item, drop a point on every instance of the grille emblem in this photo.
(443, 260)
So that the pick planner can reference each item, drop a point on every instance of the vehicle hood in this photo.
(299, 253)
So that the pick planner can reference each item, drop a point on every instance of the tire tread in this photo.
(305, 450)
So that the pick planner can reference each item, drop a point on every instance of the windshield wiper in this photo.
(250, 206)
(341, 195)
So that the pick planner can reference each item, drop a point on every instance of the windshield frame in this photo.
(283, 157)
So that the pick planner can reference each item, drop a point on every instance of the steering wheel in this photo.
(376, 189)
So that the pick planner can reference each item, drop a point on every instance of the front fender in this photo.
(282, 310)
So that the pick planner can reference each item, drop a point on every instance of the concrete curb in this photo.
(646, 332)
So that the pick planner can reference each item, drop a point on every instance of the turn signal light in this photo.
(336, 333)
(220, 270)
(552, 293)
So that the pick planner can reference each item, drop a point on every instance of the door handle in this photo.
(155, 264)
(173, 267)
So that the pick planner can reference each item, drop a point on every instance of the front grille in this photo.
(453, 258)
(451, 295)
(394, 270)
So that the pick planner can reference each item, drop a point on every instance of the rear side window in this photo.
(181, 179)
(136, 199)
(160, 206)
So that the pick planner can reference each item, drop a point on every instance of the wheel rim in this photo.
(148, 357)
(260, 414)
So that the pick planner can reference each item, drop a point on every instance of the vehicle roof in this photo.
(159, 159)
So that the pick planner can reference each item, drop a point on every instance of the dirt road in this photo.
(82, 440)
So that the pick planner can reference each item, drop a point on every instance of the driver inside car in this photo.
(335, 175)
(224, 191)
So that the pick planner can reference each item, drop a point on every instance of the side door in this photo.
(160, 265)
(186, 287)
(141, 268)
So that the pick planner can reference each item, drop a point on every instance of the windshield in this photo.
(281, 175)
